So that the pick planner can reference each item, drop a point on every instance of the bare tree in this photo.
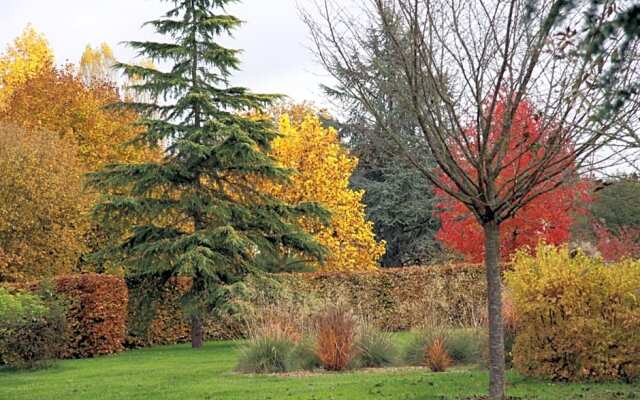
(462, 60)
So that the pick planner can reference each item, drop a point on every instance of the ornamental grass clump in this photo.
(273, 345)
(374, 348)
(335, 338)
(265, 355)
(465, 346)
(436, 357)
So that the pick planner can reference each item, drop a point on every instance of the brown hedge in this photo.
(96, 316)
(156, 317)
(401, 298)
(393, 299)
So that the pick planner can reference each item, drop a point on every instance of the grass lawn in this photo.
(178, 372)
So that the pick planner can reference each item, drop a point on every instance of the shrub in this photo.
(96, 313)
(578, 318)
(335, 329)
(265, 355)
(31, 329)
(375, 348)
(436, 356)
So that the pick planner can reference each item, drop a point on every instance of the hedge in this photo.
(156, 317)
(401, 298)
(96, 316)
(392, 299)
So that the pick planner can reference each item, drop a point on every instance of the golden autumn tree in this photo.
(42, 212)
(58, 101)
(96, 64)
(323, 168)
(26, 57)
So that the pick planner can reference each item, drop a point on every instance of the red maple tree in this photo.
(618, 244)
(547, 218)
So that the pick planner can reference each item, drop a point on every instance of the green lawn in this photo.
(178, 372)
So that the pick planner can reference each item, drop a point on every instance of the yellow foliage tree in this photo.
(26, 57)
(323, 170)
(97, 64)
(58, 101)
(42, 206)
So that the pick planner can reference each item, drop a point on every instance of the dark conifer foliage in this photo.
(196, 213)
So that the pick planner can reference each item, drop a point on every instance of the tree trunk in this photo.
(197, 332)
(494, 292)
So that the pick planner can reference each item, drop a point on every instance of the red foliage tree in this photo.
(547, 218)
(614, 245)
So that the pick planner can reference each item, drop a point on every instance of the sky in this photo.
(276, 54)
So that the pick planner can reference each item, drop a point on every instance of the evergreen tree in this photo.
(195, 213)
(399, 201)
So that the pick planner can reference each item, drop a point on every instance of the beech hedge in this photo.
(106, 313)
(96, 313)
(391, 299)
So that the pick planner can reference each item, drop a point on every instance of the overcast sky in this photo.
(275, 42)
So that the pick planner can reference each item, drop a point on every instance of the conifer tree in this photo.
(195, 213)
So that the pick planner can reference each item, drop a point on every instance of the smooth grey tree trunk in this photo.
(197, 332)
(494, 292)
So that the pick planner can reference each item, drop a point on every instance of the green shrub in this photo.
(265, 355)
(374, 348)
(303, 357)
(31, 329)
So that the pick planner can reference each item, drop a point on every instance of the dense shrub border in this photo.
(396, 299)
(96, 313)
(391, 299)
(31, 328)
(105, 313)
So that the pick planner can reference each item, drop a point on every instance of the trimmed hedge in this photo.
(397, 299)
(156, 318)
(391, 299)
(96, 316)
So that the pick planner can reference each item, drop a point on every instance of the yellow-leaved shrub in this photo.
(323, 168)
(578, 318)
